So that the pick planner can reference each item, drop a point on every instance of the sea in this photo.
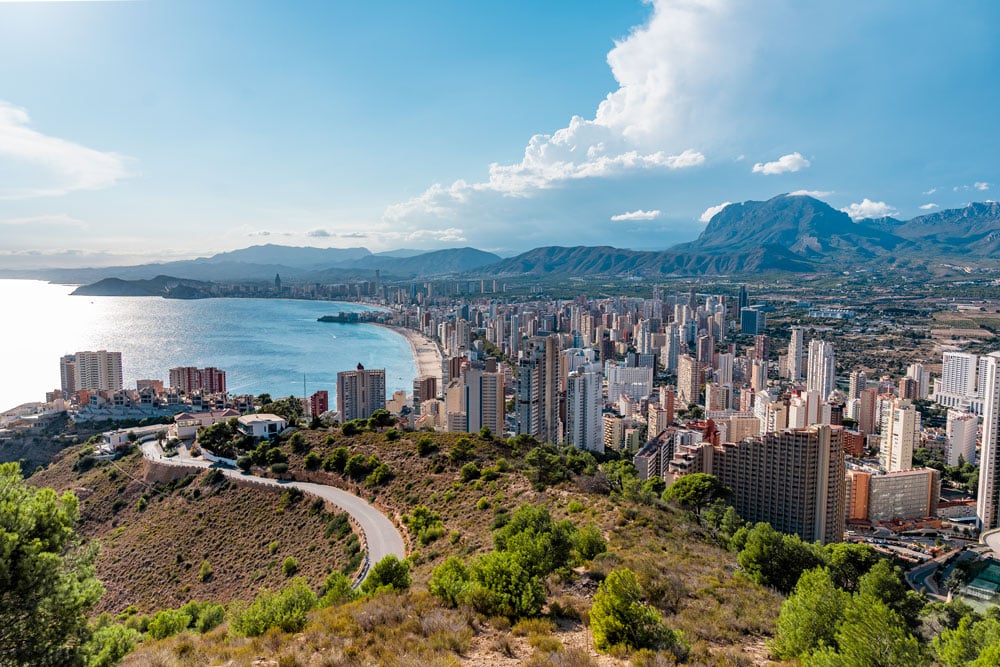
(273, 346)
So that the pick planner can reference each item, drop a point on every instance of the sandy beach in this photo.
(426, 354)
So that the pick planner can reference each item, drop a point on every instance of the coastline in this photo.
(426, 354)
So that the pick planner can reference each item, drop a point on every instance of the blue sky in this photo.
(161, 129)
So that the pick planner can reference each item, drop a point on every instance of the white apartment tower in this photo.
(988, 503)
(900, 436)
(821, 373)
(961, 430)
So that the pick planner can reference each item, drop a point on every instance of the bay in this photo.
(264, 345)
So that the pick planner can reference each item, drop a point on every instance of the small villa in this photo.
(261, 425)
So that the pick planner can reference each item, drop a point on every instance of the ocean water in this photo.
(264, 345)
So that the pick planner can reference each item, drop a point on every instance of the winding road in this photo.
(381, 536)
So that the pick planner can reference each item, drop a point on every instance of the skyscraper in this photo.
(360, 393)
(484, 404)
(794, 358)
(537, 389)
(988, 502)
(901, 437)
(688, 380)
(584, 405)
(821, 372)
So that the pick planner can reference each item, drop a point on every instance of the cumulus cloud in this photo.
(783, 165)
(65, 166)
(869, 209)
(980, 185)
(671, 77)
(636, 215)
(712, 210)
(818, 194)
(928, 207)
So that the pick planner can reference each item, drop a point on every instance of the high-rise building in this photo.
(794, 480)
(868, 411)
(752, 321)
(922, 377)
(537, 389)
(900, 436)
(190, 379)
(958, 387)
(484, 404)
(584, 403)
(424, 389)
(632, 381)
(793, 359)
(688, 380)
(821, 372)
(961, 431)
(100, 370)
(319, 403)
(858, 382)
(360, 393)
(988, 502)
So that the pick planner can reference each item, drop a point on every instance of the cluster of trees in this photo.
(964, 474)
(358, 467)
(871, 623)
(508, 581)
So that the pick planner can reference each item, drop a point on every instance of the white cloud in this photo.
(818, 194)
(636, 215)
(869, 209)
(930, 192)
(57, 220)
(979, 185)
(784, 164)
(712, 210)
(671, 77)
(66, 166)
(928, 207)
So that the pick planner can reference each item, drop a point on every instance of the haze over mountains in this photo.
(794, 233)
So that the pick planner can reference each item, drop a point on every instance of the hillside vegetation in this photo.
(457, 497)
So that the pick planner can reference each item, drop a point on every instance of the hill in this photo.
(152, 549)
(165, 286)
(690, 579)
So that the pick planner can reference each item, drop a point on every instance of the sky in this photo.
(151, 130)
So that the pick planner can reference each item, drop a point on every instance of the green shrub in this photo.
(460, 451)
(388, 573)
(379, 476)
(205, 572)
(141, 504)
(356, 466)
(574, 507)
(167, 623)
(286, 610)
(470, 471)
(244, 463)
(336, 590)
(279, 468)
(108, 645)
(290, 566)
(272, 548)
(312, 461)
(483, 504)
(392, 435)
(426, 446)
(619, 617)
(336, 460)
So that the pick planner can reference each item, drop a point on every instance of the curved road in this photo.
(381, 536)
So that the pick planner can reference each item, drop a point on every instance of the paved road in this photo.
(380, 534)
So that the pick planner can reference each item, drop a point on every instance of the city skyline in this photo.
(133, 127)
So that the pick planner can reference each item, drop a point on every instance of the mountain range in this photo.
(789, 233)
